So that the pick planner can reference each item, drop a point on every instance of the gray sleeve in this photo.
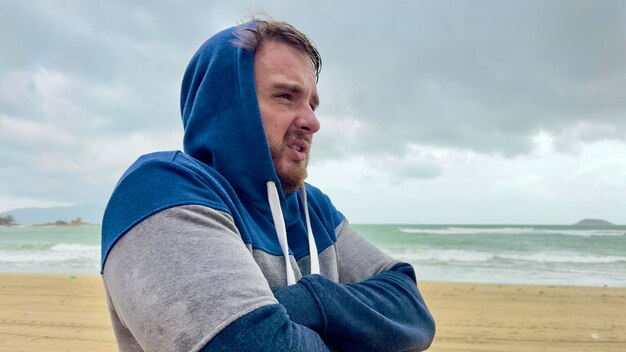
(358, 259)
(125, 340)
(178, 278)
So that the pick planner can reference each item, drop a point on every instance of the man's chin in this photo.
(291, 181)
(291, 173)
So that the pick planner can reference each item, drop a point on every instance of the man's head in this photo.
(286, 68)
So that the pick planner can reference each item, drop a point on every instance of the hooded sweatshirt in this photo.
(202, 250)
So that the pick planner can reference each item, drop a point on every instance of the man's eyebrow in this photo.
(296, 89)
(291, 88)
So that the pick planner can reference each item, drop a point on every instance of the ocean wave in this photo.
(74, 247)
(39, 246)
(514, 231)
(445, 255)
(554, 257)
(57, 253)
(455, 255)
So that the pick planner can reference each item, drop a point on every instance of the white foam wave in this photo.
(514, 231)
(39, 246)
(455, 255)
(554, 257)
(58, 253)
(74, 247)
(445, 255)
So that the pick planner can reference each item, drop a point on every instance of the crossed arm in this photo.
(183, 280)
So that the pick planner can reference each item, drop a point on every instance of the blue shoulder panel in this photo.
(156, 182)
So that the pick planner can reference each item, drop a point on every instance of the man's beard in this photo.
(291, 177)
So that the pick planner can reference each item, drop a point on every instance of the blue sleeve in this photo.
(266, 329)
(383, 313)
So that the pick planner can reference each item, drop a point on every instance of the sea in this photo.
(501, 254)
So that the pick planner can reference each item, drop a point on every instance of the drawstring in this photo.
(315, 262)
(281, 232)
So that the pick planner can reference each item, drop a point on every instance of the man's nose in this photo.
(307, 121)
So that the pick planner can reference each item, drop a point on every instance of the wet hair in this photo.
(251, 35)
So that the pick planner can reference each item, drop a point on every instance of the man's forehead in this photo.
(276, 45)
(300, 49)
(283, 66)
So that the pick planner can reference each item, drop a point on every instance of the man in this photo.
(224, 247)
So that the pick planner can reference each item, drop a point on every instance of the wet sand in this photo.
(68, 313)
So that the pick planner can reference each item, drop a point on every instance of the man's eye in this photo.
(284, 96)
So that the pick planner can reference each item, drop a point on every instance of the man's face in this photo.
(287, 93)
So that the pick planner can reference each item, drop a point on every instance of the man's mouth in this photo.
(299, 147)
(296, 148)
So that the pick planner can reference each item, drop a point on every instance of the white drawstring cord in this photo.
(281, 232)
(315, 262)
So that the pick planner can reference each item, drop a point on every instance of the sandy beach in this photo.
(68, 313)
(54, 313)
(516, 318)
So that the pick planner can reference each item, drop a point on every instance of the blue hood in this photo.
(223, 126)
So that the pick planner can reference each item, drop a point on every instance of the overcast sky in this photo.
(432, 111)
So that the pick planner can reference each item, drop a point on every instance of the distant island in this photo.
(593, 222)
(75, 222)
(89, 213)
(7, 220)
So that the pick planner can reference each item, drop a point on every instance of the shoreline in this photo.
(68, 312)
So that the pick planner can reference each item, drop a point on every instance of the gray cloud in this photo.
(477, 74)
(484, 76)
